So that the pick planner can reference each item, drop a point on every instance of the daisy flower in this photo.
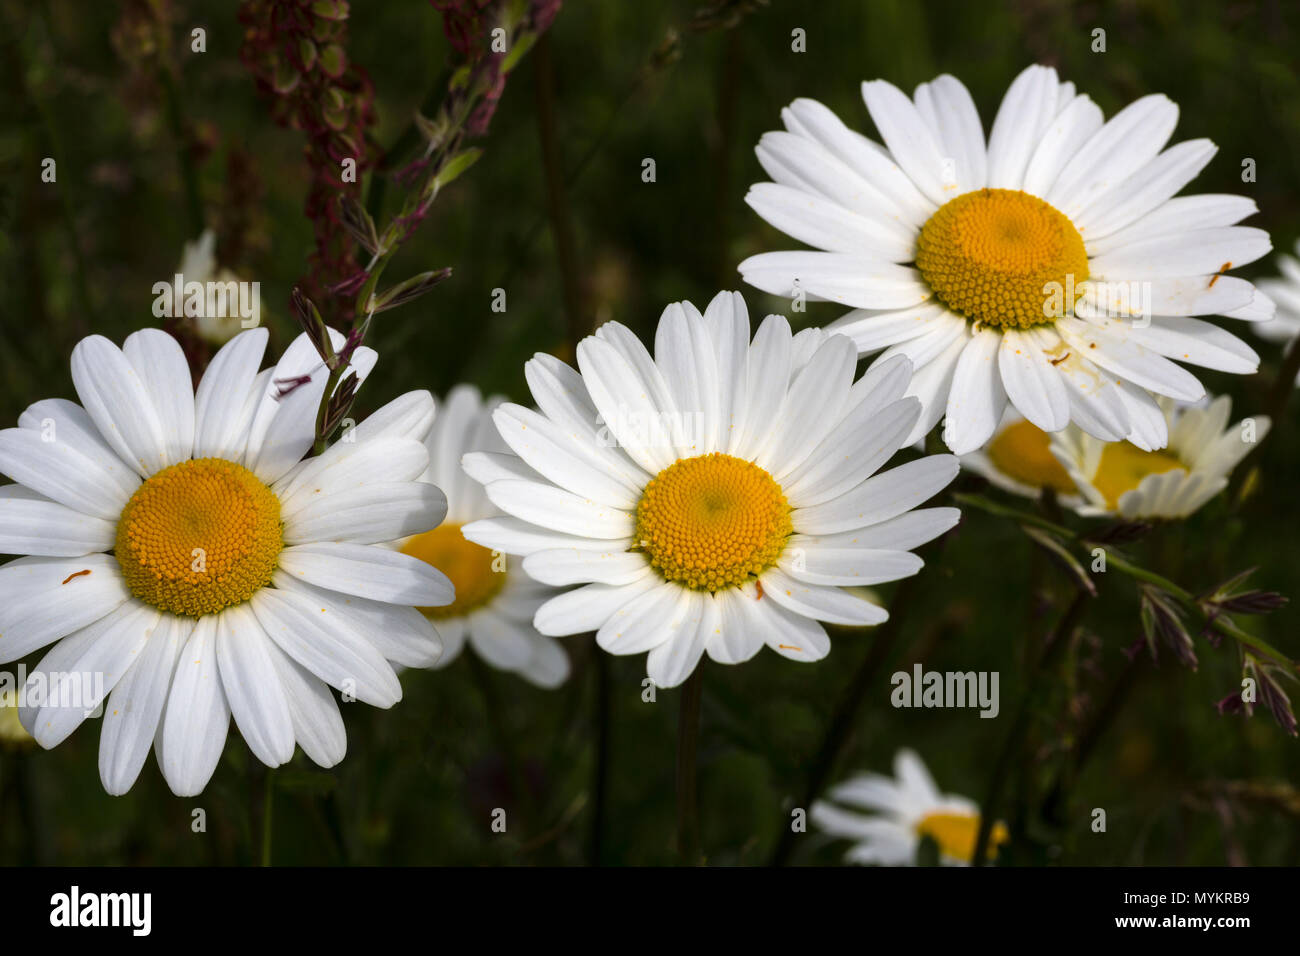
(199, 264)
(716, 497)
(1011, 271)
(903, 809)
(1285, 291)
(1120, 478)
(178, 546)
(495, 600)
(1019, 459)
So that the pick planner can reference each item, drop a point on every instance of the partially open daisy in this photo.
(1118, 478)
(904, 809)
(1019, 459)
(1049, 268)
(715, 497)
(495, 600)
(1285, 291)
(193, 567)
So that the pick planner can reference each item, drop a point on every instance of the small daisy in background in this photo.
(903, 810)
(715, 497)
(1118, 478)
(12, 731)
(199, 264)
(1284, 290)
(1019, 459)
(495, 600)
(178, 544)
(1048, 268)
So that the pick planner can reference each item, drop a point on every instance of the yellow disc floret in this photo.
(472, 568)
(955, 834)
(1022, 451)
(1002, 257)
(199, 537)
(712, 522)
(1123, 466)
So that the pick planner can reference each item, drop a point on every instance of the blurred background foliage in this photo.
(692, 86)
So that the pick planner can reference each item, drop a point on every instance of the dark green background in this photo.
(419, 781)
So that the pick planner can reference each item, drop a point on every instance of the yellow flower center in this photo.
(1124, 465)
(955, 833)
(471, 567)
(712, 522)
(1002, 257)
(1022, 451)
(199, 537)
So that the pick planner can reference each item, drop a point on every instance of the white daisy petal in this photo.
(1176, 216)
(880, 497)
(115, 397)
(33, 524)
(59, 471)
(908, 137)
(197, 718)
(559, 510)
(327, 643)
(1065, 136)
(684, 353)
(42, 599)
(633, 402)
(1195, 252)
(317, 724)
(1113, 346)
(401, 633)
(976, 397)
(384, 511)
(135, 707)
(225, 399)
(257, 698)
(160, 362)
(948, 108)
(516, 536)
(589, 608)
(1026, 111)
(902, 199)
(825, 224)
(1032, 383)
(831, 604)
(740, 633)
(672, 661)
(1198, 342)
(564, 566)
(814, 563)
(500, 642)
(1146, 189)
(902, 533)
(367, 572)
(664, 613)
(73, 679)
(1128, 141)
(560, 458)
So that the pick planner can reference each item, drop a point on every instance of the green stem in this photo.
(1056, 641)
(688, 733)
(268, 806)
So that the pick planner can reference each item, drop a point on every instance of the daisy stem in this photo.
(1047, 655)
(268, 806)
(688, 733)
(846, 711)
(1116, 560)
(1285, 383)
